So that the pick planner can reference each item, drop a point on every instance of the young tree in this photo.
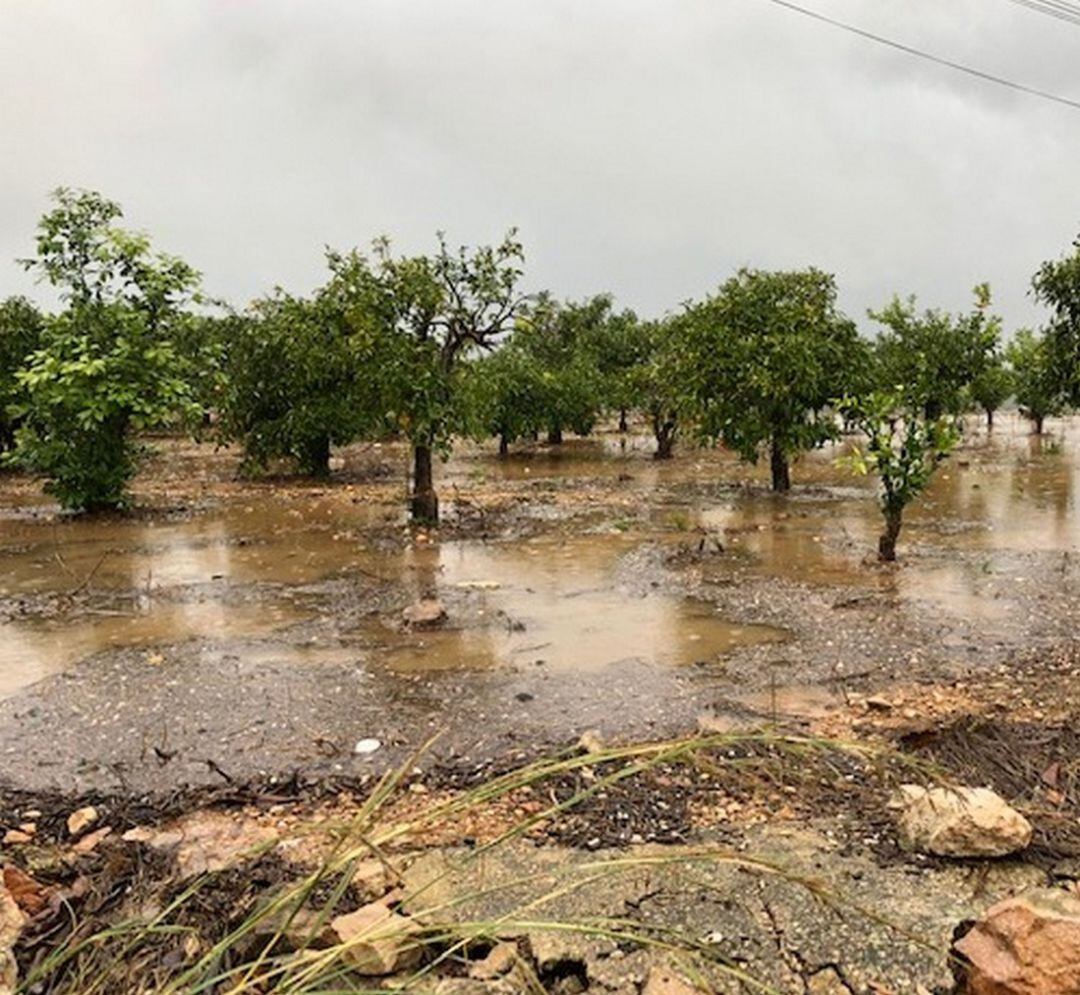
(936, 356)
(107, 365)
(1057, 285)
(903, 448)
(1036, 377)
(435, 311)
(20, 336)
(760, 361)
(992, 387)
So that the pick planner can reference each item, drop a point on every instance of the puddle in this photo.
(559, 606)
(33, 650)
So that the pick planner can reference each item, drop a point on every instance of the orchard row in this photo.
(432, 348)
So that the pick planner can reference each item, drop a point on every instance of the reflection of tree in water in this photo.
(1042, 486)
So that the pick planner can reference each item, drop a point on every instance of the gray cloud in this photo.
(642, 148)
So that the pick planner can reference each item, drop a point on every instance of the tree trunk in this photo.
(1038, 419)
(555, 435)
(664, 430)
(315, 459)
(781, 474)
(989, 419)
(622, 420)
(504, 444)
(424, 502)
(887, 541)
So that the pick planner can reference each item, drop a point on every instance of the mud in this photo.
(238, 630)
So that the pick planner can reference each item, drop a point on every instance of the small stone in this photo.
(960, 822)
(377, 941)
(16, 837)
(139, 834)
(90, 841)
(590, 742)
(30, 828)
(364, 747)
(372, 878)
(499, 961)
(424, 614)
(664, 981)
(879, 703)
(1027, 945)
(81, 819)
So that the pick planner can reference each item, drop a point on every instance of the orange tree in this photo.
(759, 362)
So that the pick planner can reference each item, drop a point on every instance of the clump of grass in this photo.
(254, 945)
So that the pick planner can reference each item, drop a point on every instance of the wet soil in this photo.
(232, 631)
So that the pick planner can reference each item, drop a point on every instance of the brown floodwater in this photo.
(559, 604)
(564, 600)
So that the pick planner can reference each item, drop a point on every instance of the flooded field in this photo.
(583, 585)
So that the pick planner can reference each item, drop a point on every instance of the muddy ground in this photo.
(230, 629)
(227, 645)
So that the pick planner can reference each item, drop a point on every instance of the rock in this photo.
(378, 941)
(373, 878)
(30, 895)
(300, 929)
(365, 747)
(15, 837)
(827, 981)
(12, 921)
(90, 841)
(879, 703)
(590, 742)
(500, 960)
(961, 822)
(664, 981)
(81, 819)
(1027, 945)
(138, 834)
(424, 614)
(211, 841)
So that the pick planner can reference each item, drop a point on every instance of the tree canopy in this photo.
(761, 360)
(107, 364)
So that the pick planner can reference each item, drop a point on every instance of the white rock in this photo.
(424, 614)
(960, 822)
(366, 746)
(81, 819)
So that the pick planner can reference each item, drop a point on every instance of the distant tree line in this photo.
(433, 348)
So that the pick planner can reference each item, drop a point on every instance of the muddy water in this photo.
(143, 583)
(560, 605)
(233, 570)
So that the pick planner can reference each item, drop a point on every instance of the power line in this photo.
(1060, 11)
(918, 53)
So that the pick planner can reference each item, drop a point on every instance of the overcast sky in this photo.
(646, 148)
